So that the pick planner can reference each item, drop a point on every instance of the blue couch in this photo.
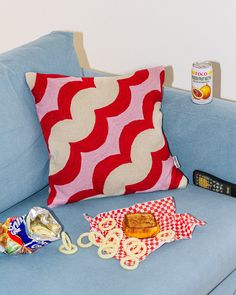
(203, 137)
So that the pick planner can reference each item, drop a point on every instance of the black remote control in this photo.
(213, 183)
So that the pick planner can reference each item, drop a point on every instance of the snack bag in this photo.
(27, 233)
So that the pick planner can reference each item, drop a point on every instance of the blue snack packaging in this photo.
(28, 233)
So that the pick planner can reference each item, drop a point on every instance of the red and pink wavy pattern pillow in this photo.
(104, 135)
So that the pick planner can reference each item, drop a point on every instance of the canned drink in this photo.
(202, 79)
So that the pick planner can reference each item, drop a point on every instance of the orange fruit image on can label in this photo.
(206, 90)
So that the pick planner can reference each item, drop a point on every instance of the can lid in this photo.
(202, 65)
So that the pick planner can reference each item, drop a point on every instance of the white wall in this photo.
(122, 35)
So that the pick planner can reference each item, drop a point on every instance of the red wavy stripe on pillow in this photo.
(162, 78)
(52, 192)
(98, 135)
(82, 195)
(154, 174)
(176, 177)
(66, 94)
(41, 85)
(73, 165)
(128, 135)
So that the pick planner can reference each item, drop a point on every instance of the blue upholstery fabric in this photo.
(94, 73)
(202, 136)
(186, 267)
(227, 287)
(23, 153)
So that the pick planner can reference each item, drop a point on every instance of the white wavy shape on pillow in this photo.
(145, 143)
(83, 107)
(30, 79)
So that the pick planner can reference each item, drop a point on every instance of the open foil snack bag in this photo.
(27, 233)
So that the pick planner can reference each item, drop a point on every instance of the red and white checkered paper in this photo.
(165, 214)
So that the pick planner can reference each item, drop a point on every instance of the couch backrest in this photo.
(23, 154)
(202, 136)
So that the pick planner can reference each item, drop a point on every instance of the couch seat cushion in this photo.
(184, 267)
(228, 286)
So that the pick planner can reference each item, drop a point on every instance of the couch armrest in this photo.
(202, 136)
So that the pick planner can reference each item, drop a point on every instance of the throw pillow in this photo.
(104, 135)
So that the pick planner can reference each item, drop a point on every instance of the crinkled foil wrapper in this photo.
(42, 226)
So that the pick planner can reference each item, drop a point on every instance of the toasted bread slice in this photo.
(140, 225)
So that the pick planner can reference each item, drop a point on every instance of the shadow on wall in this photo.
(169, 76)
(216, 79)
(79, 47)
(169, 73)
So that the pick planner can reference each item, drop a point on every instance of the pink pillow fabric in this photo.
(104, 135)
